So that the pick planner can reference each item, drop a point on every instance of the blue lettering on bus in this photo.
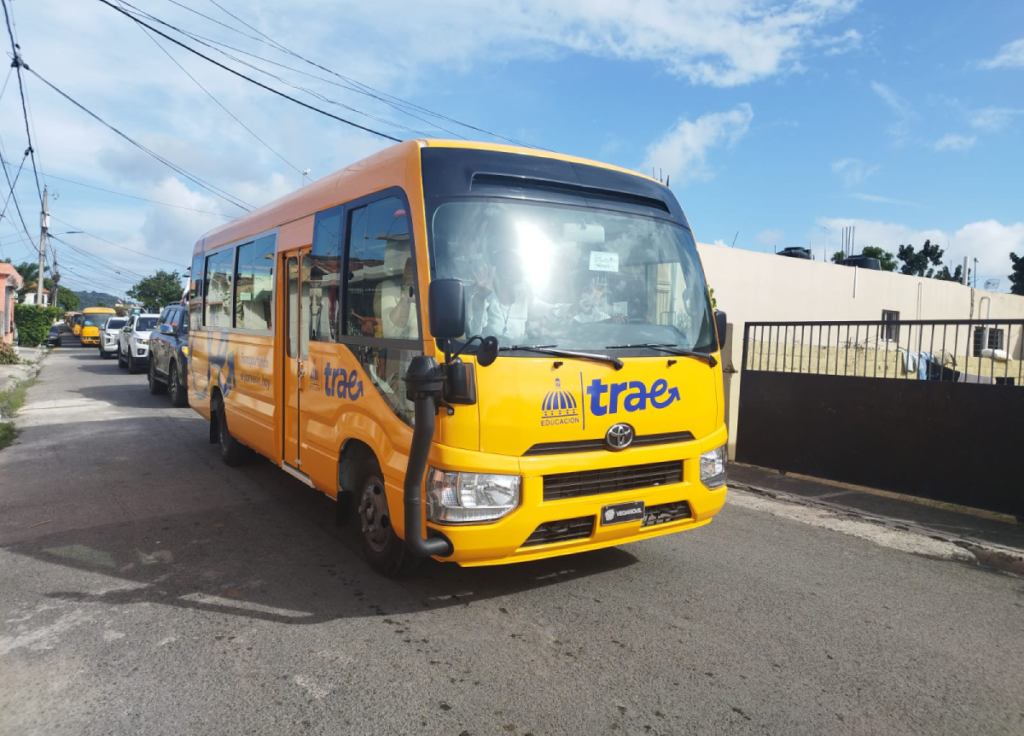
(630, 395)
(342, 384)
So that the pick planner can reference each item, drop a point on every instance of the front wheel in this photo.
(177, 387)
(155, 385)
(121, 362)
(133, 367)
(386, 553)
(233, 452)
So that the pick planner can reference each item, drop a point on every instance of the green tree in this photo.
(922, 262)
(885, 258)
(957, 275)
(838, 256)
(68, 300)
(158, 290)
(1017, 277)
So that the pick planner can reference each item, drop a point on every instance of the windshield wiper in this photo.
(669, 348)
(548, 350)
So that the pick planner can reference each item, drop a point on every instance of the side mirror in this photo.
(166, 329)
(447, 304)
(722, 326)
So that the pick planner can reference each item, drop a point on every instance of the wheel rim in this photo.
(223, 429)
(373, 515)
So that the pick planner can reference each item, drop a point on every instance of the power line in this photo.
(8, 79)
(240, 203)
(117, 245)
(250, 79)
(132, 196)
(212, 97)
(18, 64)
(215, 46)
(17, 206)
(13, 184)
(362, 88)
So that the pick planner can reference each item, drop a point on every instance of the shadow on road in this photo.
(133, 394)
(272, 552)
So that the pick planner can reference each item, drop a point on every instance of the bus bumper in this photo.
(541, 528)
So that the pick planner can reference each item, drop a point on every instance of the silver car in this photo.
(109, 335)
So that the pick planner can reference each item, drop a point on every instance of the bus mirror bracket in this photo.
(424, 382)
(722, 326)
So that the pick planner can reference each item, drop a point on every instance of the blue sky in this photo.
(774, 119)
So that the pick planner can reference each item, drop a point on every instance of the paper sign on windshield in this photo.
(600, 261)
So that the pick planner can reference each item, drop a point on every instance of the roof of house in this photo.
(12, 273)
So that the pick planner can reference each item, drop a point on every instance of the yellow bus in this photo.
(558, 390)
(93, 320)
(69, 320)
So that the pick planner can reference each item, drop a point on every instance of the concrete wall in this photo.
(764, 287)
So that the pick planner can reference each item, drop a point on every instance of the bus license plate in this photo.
(622, 513)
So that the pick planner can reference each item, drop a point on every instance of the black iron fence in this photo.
(960, 351)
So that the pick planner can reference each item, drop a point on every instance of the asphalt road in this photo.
(147, 588)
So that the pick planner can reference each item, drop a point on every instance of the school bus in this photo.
(558, 389)
(69, 320)
(94, 319)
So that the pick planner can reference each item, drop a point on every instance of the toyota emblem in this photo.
(619, 437)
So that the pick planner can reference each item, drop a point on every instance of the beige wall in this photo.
(764, 287)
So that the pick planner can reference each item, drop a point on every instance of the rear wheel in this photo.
(176, 386)
(233, 452)
(156, 386)
(385, 552)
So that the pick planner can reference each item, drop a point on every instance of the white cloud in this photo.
(769, 237)
(955, 142)
(990, 241)
(682, 151)
(853, 171)
(883, 200)
(905, 114)
(842, 44)
(1010, 55)
(992, 119)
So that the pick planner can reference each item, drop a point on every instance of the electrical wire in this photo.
(250, 79)
(132, 196)
(13, 184)
(218, 102)
(18, 64)
(240, 203)
(117, 245)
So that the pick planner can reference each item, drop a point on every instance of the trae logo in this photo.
(559, 407)
(606, 398)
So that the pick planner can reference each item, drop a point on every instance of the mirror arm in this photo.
(448, 343)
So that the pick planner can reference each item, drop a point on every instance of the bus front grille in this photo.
(561, 531)
(610, 480)
(663, 513)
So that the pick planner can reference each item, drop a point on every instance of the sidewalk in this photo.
(11, 375)
(994, 534)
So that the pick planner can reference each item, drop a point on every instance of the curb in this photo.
(992, 556)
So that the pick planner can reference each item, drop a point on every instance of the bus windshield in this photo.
(96, 320)
(571, 277)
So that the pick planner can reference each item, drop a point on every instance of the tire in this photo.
(133, 367)
(233, 452)
(102, 354)
(155, 385)
(176, 386)
(386, 553)
(121, 362)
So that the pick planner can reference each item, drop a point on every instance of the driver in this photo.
(503, 303)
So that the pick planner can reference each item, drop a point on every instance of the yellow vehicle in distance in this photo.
(69, 320)
(76, 324)
(486, 354)
(94, 319)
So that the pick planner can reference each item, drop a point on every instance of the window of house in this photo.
(890, 331)
(994, 341)
(254, 285)
(219, 271)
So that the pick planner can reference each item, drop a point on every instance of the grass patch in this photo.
(10, 401)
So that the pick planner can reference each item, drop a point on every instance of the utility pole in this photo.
(975, 273)
(44, 224)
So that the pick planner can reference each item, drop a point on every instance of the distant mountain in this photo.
(96, 299)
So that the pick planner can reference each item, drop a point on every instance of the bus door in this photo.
(296, 358)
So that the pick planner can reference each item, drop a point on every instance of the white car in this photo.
(109, 336)
(133, 342)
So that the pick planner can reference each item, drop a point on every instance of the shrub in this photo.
(34, 322)
(7, 355)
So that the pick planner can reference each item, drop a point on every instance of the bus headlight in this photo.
(713, 467)
(467, 498)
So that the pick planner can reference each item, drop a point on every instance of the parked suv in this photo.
(168, 355)
(109, 335)
(133, 342)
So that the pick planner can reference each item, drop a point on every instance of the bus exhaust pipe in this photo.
(424, 381)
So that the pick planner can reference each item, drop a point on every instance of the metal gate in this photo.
(927, 408)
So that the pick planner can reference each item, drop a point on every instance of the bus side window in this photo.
(381, 299)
